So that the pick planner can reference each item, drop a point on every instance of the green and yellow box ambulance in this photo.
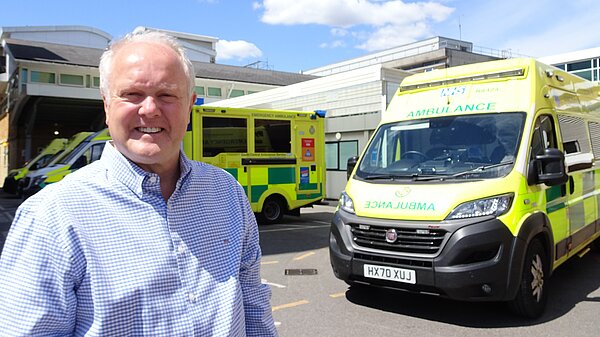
(278, 156)
(85, 148)
(478, 183)
(11, 181)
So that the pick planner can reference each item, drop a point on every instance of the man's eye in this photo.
(168, 98)
(131, 95)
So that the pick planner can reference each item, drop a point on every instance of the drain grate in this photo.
(294, 272)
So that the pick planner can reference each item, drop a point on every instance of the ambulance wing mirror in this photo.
(548, 168)
(350, 166)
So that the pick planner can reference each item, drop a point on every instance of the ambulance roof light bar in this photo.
(478, 77)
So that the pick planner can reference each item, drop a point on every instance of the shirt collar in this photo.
(131, 175)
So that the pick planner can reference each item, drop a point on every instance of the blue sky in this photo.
(296, 35)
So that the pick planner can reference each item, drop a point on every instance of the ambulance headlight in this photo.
(495, 206)
(346, 203)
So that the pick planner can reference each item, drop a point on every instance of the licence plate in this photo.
(390, 273)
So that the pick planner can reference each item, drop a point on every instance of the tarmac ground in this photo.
(8, 206)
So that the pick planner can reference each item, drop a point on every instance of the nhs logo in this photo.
(454, 91)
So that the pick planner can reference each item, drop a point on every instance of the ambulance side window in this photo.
(223, 134)
(271, 135)
(543, 137)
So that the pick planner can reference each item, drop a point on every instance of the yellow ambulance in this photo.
(278, 156)
(55, 147)
(478, 183)
(85, 148)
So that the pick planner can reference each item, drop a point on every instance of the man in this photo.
(143, 241)
(507, 136)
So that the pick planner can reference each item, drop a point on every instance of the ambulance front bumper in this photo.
(472, 261)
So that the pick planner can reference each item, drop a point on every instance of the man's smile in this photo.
(149, 130)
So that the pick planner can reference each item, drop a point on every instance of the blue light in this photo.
(321, 113)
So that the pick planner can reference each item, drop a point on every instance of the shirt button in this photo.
(152, 180)
(181, 249)
(192, 297)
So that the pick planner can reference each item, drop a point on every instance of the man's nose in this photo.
(148, 107)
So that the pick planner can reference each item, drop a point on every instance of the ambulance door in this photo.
(543, 137)
(224, 143)
(270, 164)
(309, 148)
(582, 199)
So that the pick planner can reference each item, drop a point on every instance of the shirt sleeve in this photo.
(36, 287)
(257, 296)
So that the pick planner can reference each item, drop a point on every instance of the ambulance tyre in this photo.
(532, 294)
(272, 211)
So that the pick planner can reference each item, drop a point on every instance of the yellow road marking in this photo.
(304, 256)
(337, 295)
(289, 305)
(269, 262)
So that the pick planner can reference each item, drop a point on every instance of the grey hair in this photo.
(141, 34)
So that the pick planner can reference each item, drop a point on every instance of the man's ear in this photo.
(193, 101)
(106, 104)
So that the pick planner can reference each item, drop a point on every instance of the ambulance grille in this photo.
(409, 240)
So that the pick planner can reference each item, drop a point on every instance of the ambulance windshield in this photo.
(453, 147)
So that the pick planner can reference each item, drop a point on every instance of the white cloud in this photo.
(394, 35)
(333, 44)
(338, 32)
(227, 50)
(533, 28)
(382, 24)
(557, 39)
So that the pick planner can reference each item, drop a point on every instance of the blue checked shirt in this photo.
(102, 254)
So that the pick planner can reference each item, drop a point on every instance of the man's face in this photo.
(148, 109)
(508, 138)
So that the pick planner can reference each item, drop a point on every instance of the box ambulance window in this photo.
(571, 147)
(271, 135)
(223, 135)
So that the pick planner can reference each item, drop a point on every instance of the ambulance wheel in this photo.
(272, 211)
(532, 294)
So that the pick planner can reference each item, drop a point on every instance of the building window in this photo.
(42, 77)
(214, 92)
(338, 153)
(199, 91)
(587, 64)
(587, 74)
(236, 93)
(251, 92)
(23, 79)
(24, 75)
(96, 82)
(68, 79)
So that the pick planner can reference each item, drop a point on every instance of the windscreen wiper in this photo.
(386, 177)
(482, 168)
(455, 175)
